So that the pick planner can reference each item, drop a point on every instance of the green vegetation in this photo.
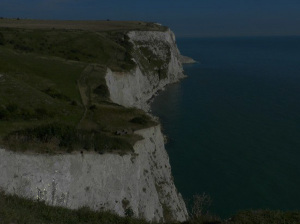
(53, 90)
(151, 62)
(21, 211)
(56, 137)
(252, 217)
(2, 41)
(95, 26)
(18, 210)
(266, 216)
(113, 49)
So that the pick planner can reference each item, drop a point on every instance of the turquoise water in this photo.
(234, 124)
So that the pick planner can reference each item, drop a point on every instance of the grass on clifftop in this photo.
(53, 94)
(18, 210)
(96, 26)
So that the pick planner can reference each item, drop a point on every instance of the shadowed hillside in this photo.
(52, 78)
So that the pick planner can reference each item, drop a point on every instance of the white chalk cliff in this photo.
(135, 88)
(141, 181)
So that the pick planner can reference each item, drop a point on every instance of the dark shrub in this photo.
(27, 114)
(101, 90)
(12, 108)
(104, 143)
(129, 212)
(2, 40)
(43, 133)
(3, 114)
(140, 120)
(22, 47)
(69, 138)
(74, 103)
(42, 113)
(93, 107)
(55, 94)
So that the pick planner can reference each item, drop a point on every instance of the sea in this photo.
(233, 125)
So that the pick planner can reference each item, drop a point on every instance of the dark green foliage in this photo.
(14, 112)
(206, 219)
(252, 217)
(45, 133)
(56, 94)
(152, 62)
(266, 216)
(162, 73)
(102, 90)
(23, 211)
(74, 103)
(124, 56)
(113, 49)
(93, 107)
(2, 40)
(3, 113)
(129, 212)
(125, 203)
(105, 143)
(14, 209)
(12, 108)
(42, 113)
(140, 120)
(167, 212)
(22, 47)
(68, 137)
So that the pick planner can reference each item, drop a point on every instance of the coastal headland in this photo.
(74, 124)
(77, 141)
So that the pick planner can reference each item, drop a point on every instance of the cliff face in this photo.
(141, 181)
(158, 64)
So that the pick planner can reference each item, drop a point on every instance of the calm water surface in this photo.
(234, 124)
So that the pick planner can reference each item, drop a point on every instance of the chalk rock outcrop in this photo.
(157, 64)
(186, 60)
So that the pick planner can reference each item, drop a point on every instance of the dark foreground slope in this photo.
(21, 211)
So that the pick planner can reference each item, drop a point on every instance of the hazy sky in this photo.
(186, 18)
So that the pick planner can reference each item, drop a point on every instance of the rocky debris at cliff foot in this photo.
(187, 60)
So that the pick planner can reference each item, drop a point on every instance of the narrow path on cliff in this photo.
(82, 90)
